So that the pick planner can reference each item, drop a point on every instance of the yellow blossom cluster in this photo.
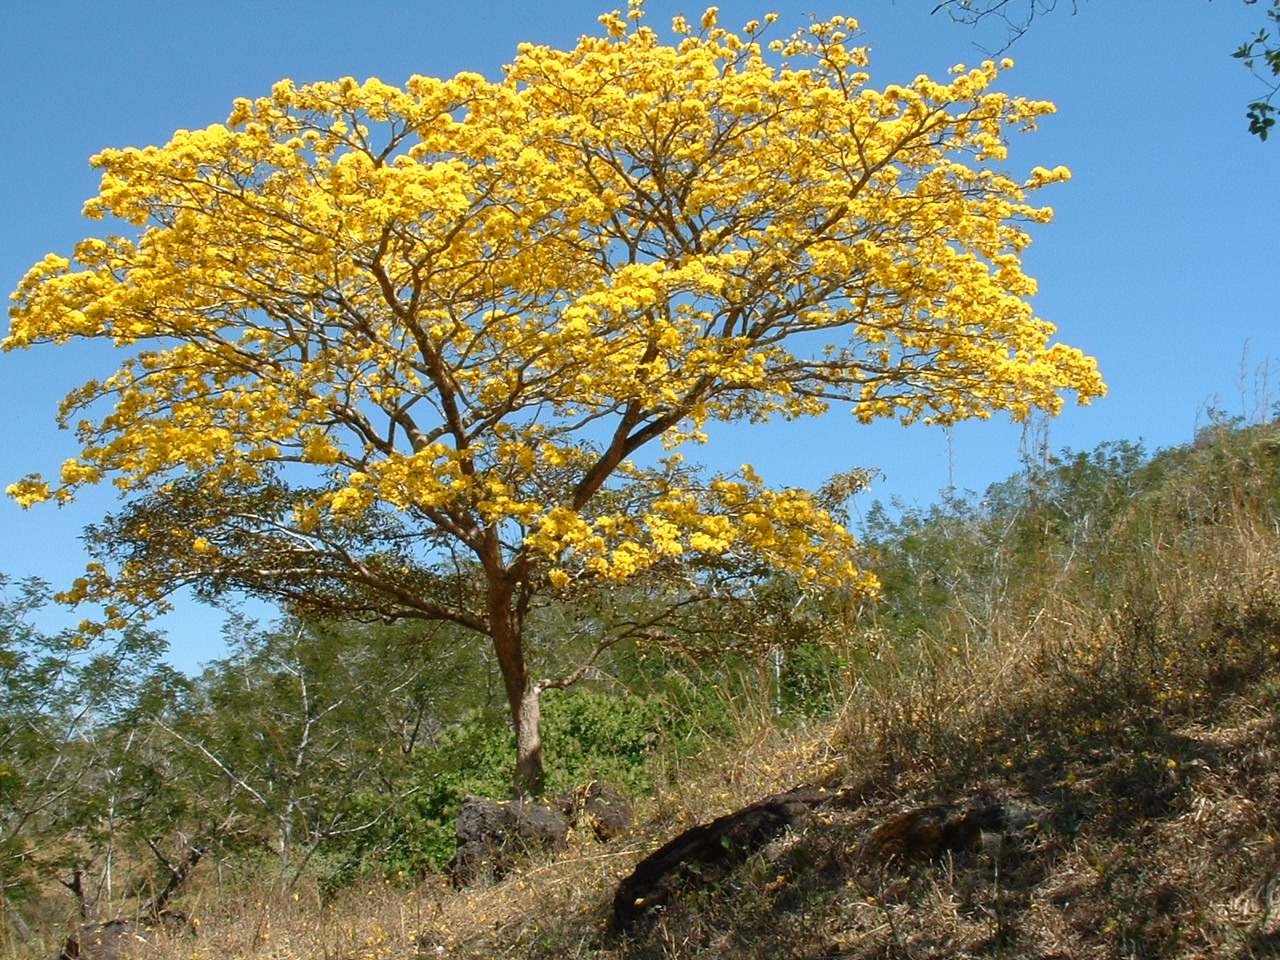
(731, 516)
(474, 300)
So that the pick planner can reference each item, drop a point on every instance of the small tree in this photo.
(393, 351)
(287, 735)
(72, 726)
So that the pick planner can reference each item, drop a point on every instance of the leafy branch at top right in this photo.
(1261, 54)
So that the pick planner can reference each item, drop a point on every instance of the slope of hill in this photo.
(1090, 655)
(1095, 647)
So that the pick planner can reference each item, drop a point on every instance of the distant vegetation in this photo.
(1094, 641)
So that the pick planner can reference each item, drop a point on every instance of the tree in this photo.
(72, 725)
(1261, 54)
(1016, 15)
(286, 737)
(394, 352)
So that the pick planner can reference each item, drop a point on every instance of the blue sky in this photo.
(1161, 261)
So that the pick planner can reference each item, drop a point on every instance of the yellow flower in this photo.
(444, 316)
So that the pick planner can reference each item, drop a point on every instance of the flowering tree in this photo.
(393, 352)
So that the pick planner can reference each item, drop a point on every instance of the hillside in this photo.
(1118, 701)
(1092, 650)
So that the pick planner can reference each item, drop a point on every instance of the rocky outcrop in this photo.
(123, 938)
(493, 834)
(598, 807)
(929, 833)
(709, 850)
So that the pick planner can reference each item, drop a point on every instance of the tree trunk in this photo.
(15, 919)
(530, 777)
(178, 873)
(524, 696)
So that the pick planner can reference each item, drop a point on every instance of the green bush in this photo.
(590, 734)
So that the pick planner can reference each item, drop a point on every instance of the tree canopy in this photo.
(397, 352)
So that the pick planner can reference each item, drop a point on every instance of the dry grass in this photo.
(1127, 716)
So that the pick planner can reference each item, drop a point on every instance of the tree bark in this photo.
(178, 873)
(524, 696)
(530, 778)
(15, 919)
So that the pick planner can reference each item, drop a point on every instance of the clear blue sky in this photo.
(1161, 261)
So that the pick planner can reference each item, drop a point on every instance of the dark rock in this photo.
(928, 833)
(599, 807)
(708, 851)
(492, 834)
(122, 938)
